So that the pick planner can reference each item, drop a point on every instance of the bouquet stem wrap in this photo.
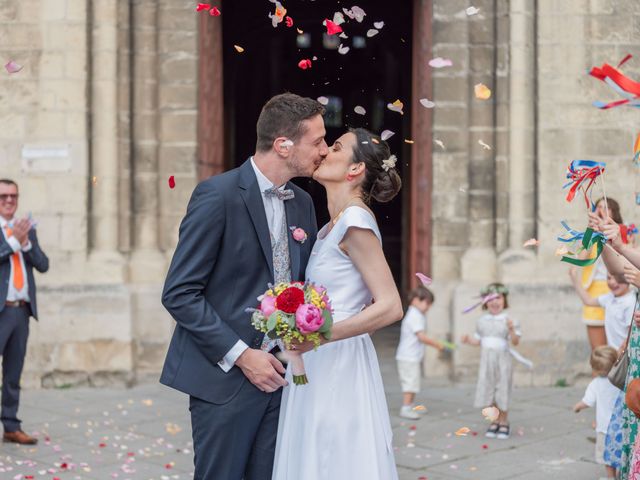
(297, 367)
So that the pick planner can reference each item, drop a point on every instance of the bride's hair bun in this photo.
(381, 181)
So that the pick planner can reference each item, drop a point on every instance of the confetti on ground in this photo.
(532, 242)
(304, 64)
(387, 134)
(372, 32)
(472, 11)
(323, 100)
(332, 28)
(215, 12)
(426, 103)
(490, 413)
(360, 110)
(426, 281)
(462, 432)
(484, 145)
(396, 106)
(238, 48)
(13, 67)
(420, 408)
(440, 62)
(172, 182)
(481, 91)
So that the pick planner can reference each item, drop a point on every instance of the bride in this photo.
(337, 426)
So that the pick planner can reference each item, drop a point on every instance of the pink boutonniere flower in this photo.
(299, 235)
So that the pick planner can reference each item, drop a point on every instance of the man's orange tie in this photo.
(18, 275)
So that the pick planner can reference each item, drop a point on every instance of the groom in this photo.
(235, 239)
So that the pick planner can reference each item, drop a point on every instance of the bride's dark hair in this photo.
(380, 184)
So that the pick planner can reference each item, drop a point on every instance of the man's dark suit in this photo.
(222, 263)
(14, 326)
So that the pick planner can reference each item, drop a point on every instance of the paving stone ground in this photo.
(144, 433)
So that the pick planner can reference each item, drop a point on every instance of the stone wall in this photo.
(486, 203)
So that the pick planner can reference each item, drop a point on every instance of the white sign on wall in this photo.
(46, 158)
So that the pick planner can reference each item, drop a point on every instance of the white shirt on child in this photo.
(601, 393)
(618, 312)
(410, 348)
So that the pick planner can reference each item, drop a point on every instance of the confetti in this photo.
(172, 182)
(406, 140)
(278, 16)
(378, 25)
(343, 50)
(426, 281)
(304, 64)
(387, 134)
(238, 48)
(288, 21)
(561, 251)
(440, 62)
(287, 143)
(532, 242)
(343, 35)
(462, 432)
(214, 12)
(426, 103)
(323, 100)
(472, 11)
(94, 180)
(485, 447)
(300, 31)
(360, 110)
(338, 18)
(202, 6)
(13, 67)
(420, 408)
(440, 143)
(372, 32)
(482, 92)
(396, 106)
(332, 28)
(490, 413)
(484, 145)
(355, 13)
(636, 150)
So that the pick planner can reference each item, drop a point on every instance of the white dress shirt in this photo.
(274, 210)
(14, 295)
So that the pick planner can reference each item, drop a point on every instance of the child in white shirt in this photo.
(411, 348)
(601, 394)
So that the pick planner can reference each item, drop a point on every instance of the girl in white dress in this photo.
(337, 426)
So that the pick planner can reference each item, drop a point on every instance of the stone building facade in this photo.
(116, 96)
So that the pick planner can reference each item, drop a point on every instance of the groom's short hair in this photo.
(282, 116)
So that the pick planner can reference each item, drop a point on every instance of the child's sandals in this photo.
(503, 432)
(492, 431)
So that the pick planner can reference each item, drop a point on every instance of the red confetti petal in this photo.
(215, 12)
(485, 446)
(102, 445)
(304, 64)
(202, 6)
(131, 454)
(168, 466)
(332, 28)
(172, 182)
(288, 22)
(64, 466)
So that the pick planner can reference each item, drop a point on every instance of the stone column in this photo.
(104, 143)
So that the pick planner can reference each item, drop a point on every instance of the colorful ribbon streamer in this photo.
(621, 84)
(588, 238)
(636, 151)
(582, 174)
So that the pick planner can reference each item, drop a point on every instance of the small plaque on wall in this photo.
(46, 158)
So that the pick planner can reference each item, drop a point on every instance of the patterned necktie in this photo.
(283, 195)
(18, 274)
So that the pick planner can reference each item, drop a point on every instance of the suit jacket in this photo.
(222, 263)
(34, 258)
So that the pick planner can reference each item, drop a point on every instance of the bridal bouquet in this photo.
(294, 312)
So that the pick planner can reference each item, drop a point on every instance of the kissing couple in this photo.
(248, 419)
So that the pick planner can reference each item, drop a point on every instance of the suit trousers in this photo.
(14, 332)
(236, 440)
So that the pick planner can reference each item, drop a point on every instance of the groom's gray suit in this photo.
(222, 263)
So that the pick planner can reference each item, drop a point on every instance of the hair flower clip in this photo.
(389, 163)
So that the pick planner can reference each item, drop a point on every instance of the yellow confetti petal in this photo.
(462, 432)
(482, 91)
(238, 48)
(406, 140)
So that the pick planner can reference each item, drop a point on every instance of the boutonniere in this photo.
(299, 235)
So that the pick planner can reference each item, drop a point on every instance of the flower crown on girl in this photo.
(494, 288)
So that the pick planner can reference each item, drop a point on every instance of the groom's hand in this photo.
(262, 369)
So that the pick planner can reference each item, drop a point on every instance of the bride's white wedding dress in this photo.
(337, 426)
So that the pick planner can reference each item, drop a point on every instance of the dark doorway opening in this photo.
(376, 71)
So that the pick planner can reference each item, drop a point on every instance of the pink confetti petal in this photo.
(426, 103)
(13, 67)
(532, 242)
(440, 62)
(202, 6)
(426, 281)
(360, 110)
(215, 12)
(332, 28)
(172, 184)
(304, 64)
(387, 134)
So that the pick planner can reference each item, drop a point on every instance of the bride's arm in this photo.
(364, 249)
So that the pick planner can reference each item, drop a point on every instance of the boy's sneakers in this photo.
(492, 431)
(406, 411)
(503, 432)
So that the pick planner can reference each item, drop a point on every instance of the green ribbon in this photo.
(588, 240)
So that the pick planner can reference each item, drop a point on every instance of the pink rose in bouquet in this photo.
(308, 318)
(268, 305)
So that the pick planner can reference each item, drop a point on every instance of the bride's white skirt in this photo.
(337, 426)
